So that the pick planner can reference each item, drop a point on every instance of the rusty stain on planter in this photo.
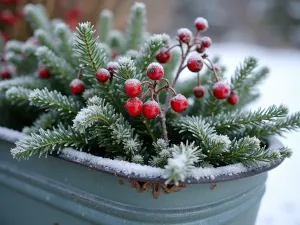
(141, 186)
(212, 186)
(121, 182)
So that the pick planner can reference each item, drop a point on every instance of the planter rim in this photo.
(132, 171)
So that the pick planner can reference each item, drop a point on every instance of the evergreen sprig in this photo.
(60, 69)
(65, 37)
(87, 49)
(48, 141)
(136, 26)
(242, 73)
(44, 40)
(242, 122)
(66, 106)
(104, 25)
(249, 152)
(23, 81)
(183, 160)
(18, 95)
(110, 128)
(36, 16)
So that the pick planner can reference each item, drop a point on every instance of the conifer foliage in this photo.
(118, 96)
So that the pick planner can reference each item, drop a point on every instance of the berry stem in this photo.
(146, 82)
(169, 49)
(162, 120)
(196, 36)
(145, 94)
(198, 79)
(211, 67)
(180, 68)
(79, 74)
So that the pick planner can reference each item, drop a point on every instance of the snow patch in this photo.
(116, 165)
(10, 135)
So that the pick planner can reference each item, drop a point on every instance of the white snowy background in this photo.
(281, 203)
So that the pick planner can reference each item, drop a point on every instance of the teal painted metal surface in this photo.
(54, 191)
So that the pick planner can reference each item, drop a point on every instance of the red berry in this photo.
(133, 87)
(233, 99)
(8, 18)
(221, 90)
(195, 63)
(201, 24)
(155, 71)
(134, 106)
(206, 42)
(163, 56)
(111, 67)
(200, 49)
(151, 109)
(199, 92)
(102, 75)
(184, 35)
(77, 86)
(44, 73)
(5, 75)
(179, 103)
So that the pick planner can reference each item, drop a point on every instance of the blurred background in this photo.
(266, 29)
(273, 23)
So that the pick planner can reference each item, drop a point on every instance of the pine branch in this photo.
(242, 73)
(45, 40)
(48, 141)
(23, 81)
(197, 130)
(235, 123)
(136, 26)
(104, 25)
(99, 120)
(18, 95)
(116, 40)
(148, 51)
(126, 70)
(14, 46)
(279, 126)
(87, 49)
(37, 18)
(29, 49)
(248, 151)
(162, 153)
(44, 121)
(66, 106)
(64, 34)
(57, 65)
(182, 162)
(14, 58)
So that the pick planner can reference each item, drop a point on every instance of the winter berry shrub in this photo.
(119, 96)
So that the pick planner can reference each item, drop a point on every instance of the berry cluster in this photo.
(195, 57)
(151, 108)
(102, 76)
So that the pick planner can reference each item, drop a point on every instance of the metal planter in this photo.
(58, 192)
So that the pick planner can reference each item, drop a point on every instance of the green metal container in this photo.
(56, 191)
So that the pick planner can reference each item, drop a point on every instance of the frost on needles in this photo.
(159, 127)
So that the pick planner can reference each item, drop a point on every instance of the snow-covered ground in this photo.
(281, 203)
